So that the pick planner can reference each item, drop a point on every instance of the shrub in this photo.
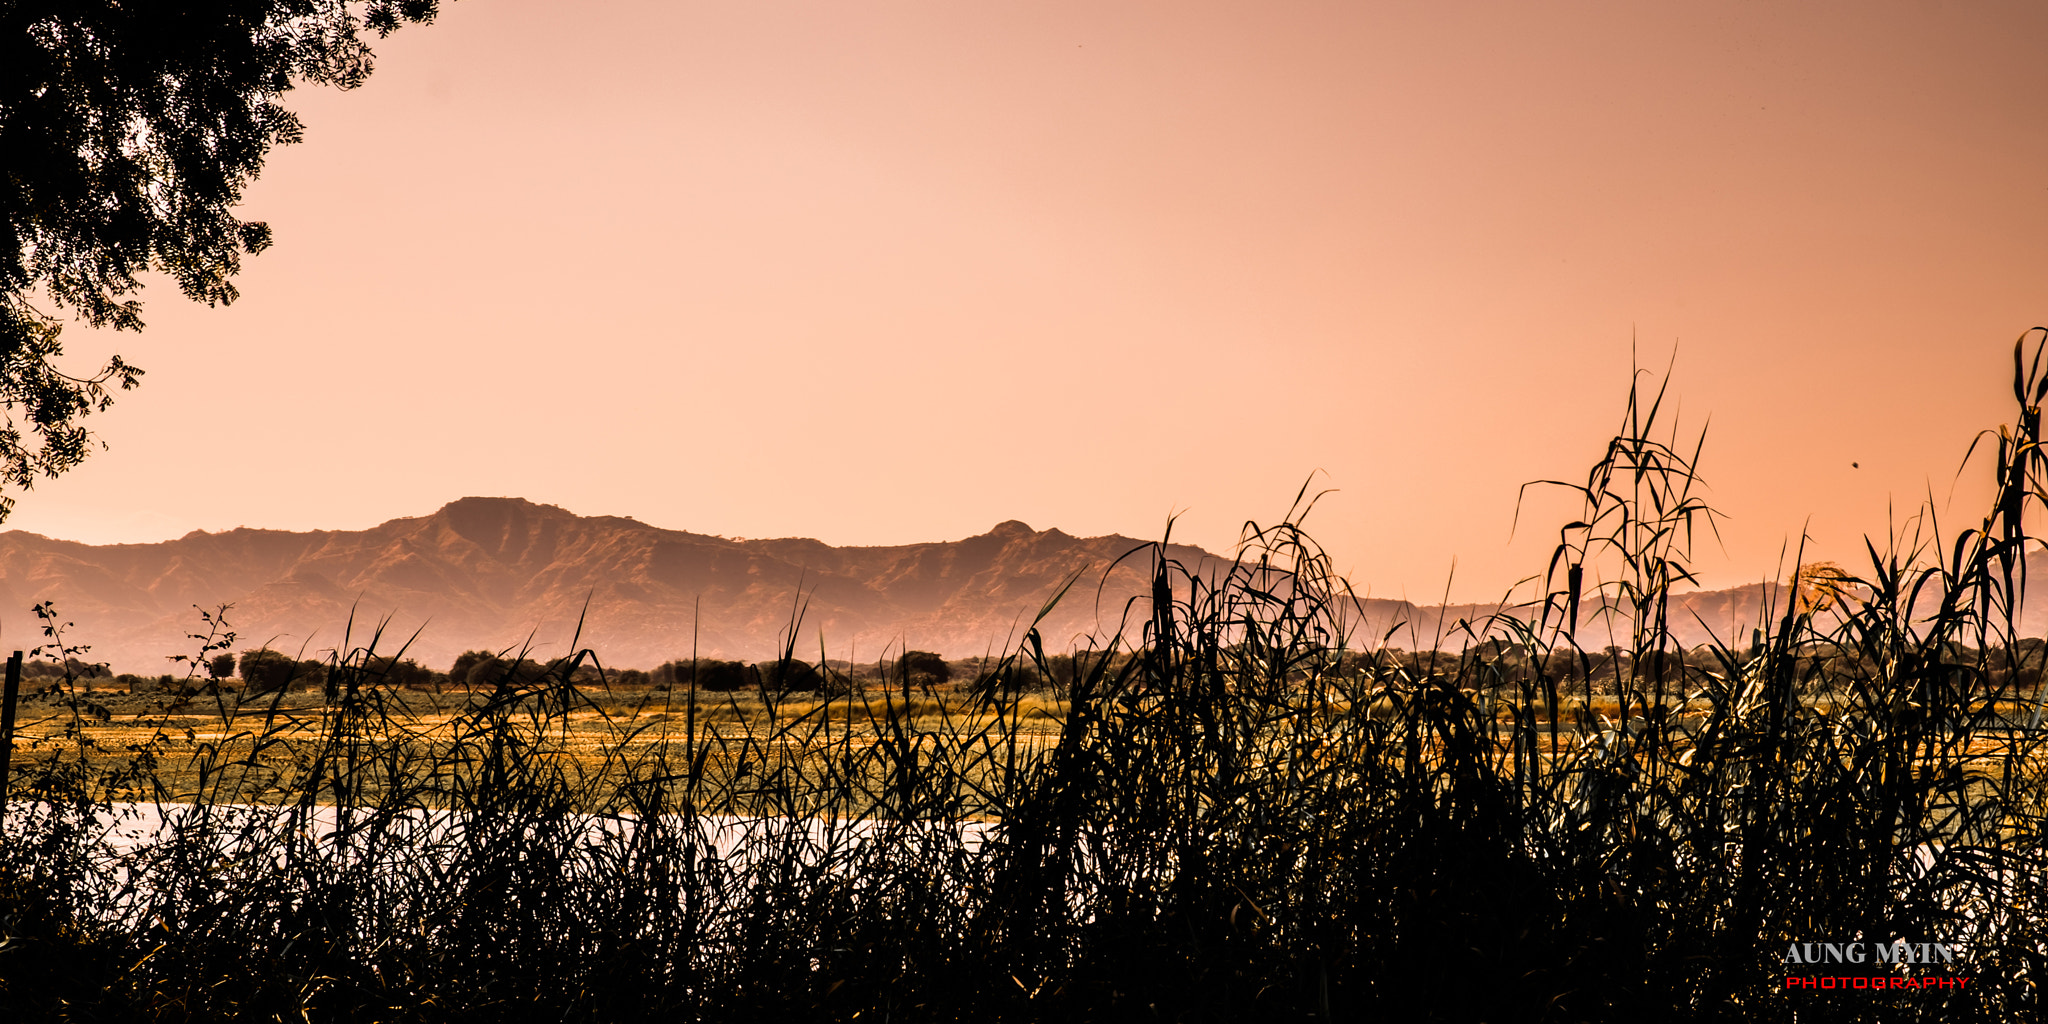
(1006, 680)
(710, 674)
(494, 673)
(922, 669)
(268, 671)
(73, 667)
(399, 672)
(466, 662)
(790, 675)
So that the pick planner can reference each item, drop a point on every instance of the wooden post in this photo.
(7, 727)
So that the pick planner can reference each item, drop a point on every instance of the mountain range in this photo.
(506, 574)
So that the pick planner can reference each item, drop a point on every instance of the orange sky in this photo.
(887, 272)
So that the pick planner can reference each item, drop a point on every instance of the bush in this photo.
(837, 681)
(465, 663)
(400, 672)
(72, 667)
(1007, 681)
(268, 671)
(496, 673)
(922, 668)
(710, 674)
(790, 676)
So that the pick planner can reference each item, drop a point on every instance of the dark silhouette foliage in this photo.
(265, 671)
(127, 132)
(458, 673)
(719, 676)
(922, 668)
(1007, 680)
(72, 667)
(494, 672)
(398, 671)
(790, 675)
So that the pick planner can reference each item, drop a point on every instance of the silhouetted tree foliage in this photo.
(1063, 670)
(1007, 681)
(791, 675)
(923, 668)
(399, 672)
(265, 671)
(127, 133)
(73, 667)
(713, 674)
(494, 671)
(665, 675)
(836, 681)
(709, 673)
(458, 673)
(221, 666)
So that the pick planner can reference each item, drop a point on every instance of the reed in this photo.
(1240, 810)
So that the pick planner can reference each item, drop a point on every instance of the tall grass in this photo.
(1248, 812)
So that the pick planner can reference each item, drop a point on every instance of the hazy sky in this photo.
(887, 272)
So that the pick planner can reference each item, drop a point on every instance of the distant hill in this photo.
(493, 572)
(1697, 617)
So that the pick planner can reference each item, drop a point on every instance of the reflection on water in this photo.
(129, 855)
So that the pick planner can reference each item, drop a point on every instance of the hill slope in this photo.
(495, 573)
(492, 572)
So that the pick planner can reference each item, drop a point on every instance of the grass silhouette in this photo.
(1244, 812)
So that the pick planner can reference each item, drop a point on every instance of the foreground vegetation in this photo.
(1235, 810)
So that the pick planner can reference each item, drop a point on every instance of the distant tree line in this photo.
(1492, 663)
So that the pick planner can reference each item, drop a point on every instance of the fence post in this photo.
(7, 728)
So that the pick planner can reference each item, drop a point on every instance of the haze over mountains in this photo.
(493, 573)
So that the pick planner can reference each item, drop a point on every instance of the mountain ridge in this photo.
(501, 573)
(507, 573)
